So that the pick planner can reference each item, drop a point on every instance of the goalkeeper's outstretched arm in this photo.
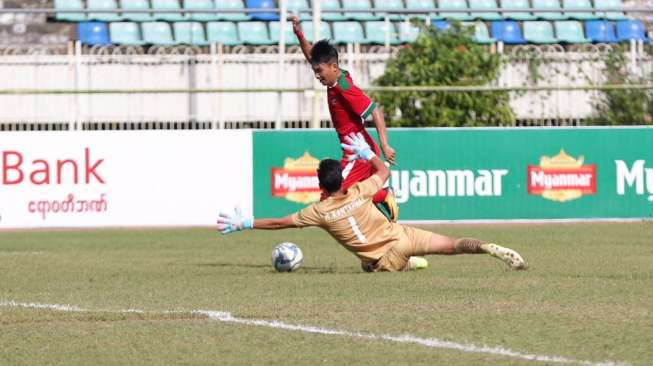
(274, 223)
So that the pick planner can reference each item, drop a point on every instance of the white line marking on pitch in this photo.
(428, 342)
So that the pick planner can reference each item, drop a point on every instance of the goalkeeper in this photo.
(350, 217)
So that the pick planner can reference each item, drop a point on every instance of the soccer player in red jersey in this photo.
(349, 107)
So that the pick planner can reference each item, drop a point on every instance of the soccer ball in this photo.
(287, 257)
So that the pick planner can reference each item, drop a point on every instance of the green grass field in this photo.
(587, 296)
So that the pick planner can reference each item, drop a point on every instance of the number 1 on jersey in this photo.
(357, 231)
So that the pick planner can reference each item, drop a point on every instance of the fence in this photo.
(268, 87)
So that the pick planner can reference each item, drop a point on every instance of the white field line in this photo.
(427, 342)
(7, 254)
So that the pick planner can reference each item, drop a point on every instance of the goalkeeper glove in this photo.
(236, 222)
(357, 145)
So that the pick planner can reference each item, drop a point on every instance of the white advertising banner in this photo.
(123, 178)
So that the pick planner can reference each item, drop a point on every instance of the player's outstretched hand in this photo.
(358, 147)
(296, 27)
(230, 223)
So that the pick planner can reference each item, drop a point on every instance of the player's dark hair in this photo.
(323, 52)
(330, 175)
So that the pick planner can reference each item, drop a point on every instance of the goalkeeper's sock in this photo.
(470, 246)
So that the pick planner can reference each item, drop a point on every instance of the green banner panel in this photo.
(477, 174)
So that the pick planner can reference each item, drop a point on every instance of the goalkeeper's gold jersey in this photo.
(354, 221)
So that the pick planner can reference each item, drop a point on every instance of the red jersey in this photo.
(349, 107)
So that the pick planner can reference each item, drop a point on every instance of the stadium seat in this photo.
(69, 5)
(540, 32)
(426, 5)
(254, 33)
(331, 4)
(517, 4)
(299, 7)
(191, 33)
(508, 32)
(600, 31)
(104, 5)
(457, 5)
(157, 33)
(136, 5)
(126, 33)
(349, 32)
(612, 15)
(491, 5)
(275, 33)
(200, 4)
(570, 32)
(376, 32)
(631, 30)
(549, 4)
(442, 25)
(231, 4)
(168, 5)
(578, 4)
(225, 33)
(262, 4)
(481, 33)
(93, 33)
(408, 33)
(389, 4)
(325, 31)
(359, 5)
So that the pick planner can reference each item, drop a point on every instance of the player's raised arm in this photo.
(229, 223)
(359, 149)
(379, 122)
(303, 42)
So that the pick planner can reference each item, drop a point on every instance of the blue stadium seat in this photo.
(200, 4)
(454, 5)
(275, 33)
(168, 5)
(408, 33)
(223, 32)
(600, 31)
(376, 32)
(631, 30)
(299, 7)
(103, 5)
(157, 33)
(359, 5)
(540, 32)
(349, 32)
(507, 32)
(262, 4)
(69, 5)
(389, 4)
(325, 31)
(254, 33)
(612, 15)
(126, 33)
(428, 6)
(517, 4)
(442, 25)
(490, 5)
(136, 5)
(93, 33)
(191, 33)
(332, 4)
(231, 4)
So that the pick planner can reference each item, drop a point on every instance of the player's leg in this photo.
(357, 171)
(426, 243)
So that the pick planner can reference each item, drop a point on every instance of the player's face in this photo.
(327, 74)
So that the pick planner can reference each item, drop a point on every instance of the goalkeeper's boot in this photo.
(509, 256)
(415, 263)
